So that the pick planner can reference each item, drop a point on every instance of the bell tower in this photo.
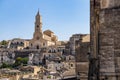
(38, 23)
(36, 42)
(38, 27)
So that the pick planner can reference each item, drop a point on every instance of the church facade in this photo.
(42, 39)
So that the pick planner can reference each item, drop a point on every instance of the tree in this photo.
(19, 61)
(5, 65)
(3, 42)
(24, 60)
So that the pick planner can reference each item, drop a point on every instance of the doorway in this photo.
(37, 47)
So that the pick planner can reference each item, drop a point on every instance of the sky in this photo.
(63, 17)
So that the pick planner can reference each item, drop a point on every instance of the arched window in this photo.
(37, 26)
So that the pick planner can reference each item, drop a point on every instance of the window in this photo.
(37, 26)
(71, 65)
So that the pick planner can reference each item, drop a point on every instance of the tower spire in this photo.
(38, 22)
(38, 9)
(38, 12)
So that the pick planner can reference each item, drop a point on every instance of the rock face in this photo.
(105, 37)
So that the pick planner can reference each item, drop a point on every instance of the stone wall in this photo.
(105, 32)
(82, 64)
(109, 3)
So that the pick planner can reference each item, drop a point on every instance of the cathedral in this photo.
(42, 39)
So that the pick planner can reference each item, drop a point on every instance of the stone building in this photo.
(42, 39)
(30, 72)
(72, 40)
(82, 64)
(10, 74)
(37, 58)
(105, 40)
(18, 43)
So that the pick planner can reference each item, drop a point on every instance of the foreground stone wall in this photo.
(105, 36)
